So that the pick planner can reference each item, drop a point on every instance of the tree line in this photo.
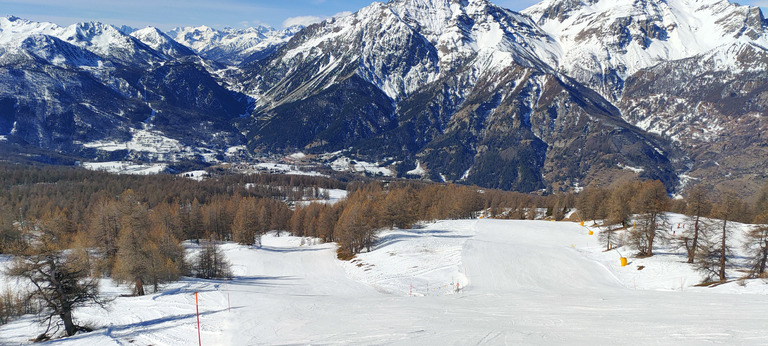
(354, 222)
(28, 192)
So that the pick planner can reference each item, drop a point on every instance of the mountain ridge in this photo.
(472, 115)
(607, 41)
(559, 96)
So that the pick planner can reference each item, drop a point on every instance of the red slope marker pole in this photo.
(197, 310)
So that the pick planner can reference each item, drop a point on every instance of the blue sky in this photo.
(167, 14)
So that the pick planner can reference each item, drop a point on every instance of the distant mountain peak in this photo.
(231, 46)
(58, 52)
(161, 42)
(127, 30)
(109, 42)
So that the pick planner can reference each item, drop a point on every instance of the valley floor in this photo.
(529, 282)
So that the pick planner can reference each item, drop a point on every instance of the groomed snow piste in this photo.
(529, 282)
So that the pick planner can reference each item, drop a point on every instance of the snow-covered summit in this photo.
(130, 46)
(434, 38)
(14, 30)
(104, 40)
(603, 41)
(96, 36)
(58, 52)
(161, 42)
(232, 46)
(462, 28)
(109, 42)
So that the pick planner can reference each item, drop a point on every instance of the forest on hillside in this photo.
(66, 227)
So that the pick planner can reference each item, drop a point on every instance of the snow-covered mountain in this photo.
(26, 40)
(690, 71)
(107, 41)
(100, 39)
(563, 94)
(602, 42)
(470, 95)
(15, 30)
(713, 106)
(445, 35)
(161, 42)
(460, 29)
(65, 88)
(131, 46)
(233, 46)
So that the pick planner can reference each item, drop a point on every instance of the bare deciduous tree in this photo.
(714, 257)
(698, 206)
(651, 203)
(756, 244)
(756, 247)
(61, 277)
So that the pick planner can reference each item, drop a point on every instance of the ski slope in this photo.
(530, 282)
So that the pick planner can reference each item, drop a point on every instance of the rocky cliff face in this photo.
(714, 106)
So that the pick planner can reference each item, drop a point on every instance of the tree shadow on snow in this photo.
(258, 280)
(186, 289)
(143, 327)
(404, 234)
(454, 236)
(289, 250)
(390, 239)
(426, 231)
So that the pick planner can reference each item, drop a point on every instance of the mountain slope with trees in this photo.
(563, 95)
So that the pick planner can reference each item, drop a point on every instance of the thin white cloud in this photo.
(309, 20)
(302, 20)
(252, 23)
(342, 14)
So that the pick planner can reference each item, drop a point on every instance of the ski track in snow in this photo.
(529, 282)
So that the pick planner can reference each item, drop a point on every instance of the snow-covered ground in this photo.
(142, 140)
(126, 167)
(282, 168)
(198, 175)
(345, 164)
(530, 282)
(333, 196)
